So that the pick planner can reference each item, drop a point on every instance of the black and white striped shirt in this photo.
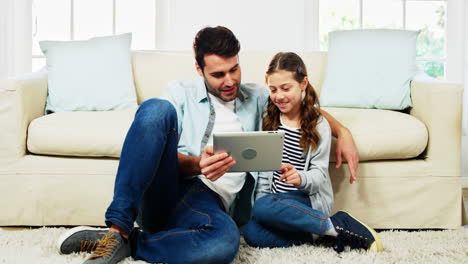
(292, 154)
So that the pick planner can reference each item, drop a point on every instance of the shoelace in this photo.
(89, 245)
(105, 246)
(347, 238)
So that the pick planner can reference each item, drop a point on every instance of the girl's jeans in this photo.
(283, 220)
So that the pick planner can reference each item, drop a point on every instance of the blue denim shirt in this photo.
(196, 116)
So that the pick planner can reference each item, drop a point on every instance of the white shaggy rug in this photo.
(447, 246)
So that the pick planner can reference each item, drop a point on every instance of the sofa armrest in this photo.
(21, 101)
(439, 106)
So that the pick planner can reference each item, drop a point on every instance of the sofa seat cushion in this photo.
(382, 134)
(378, 134)
(82, 134)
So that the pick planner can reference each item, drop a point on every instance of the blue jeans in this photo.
(283, 220)
(182, 220)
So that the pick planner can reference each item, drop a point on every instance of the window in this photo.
(83, 19)
(301, 25)
(429, 16)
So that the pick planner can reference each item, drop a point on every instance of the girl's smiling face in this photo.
(286, 92)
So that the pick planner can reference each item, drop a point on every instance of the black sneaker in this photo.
(354, 233)
(80, 239)
(111, 249)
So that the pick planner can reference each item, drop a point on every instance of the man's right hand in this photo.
(214, 165)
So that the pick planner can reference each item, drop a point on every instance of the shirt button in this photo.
(212, 113)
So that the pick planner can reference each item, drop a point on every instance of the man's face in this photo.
(222, 76)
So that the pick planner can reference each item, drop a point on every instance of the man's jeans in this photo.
(182, 220)
(283, 220)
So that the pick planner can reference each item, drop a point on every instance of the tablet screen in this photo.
(252, 151)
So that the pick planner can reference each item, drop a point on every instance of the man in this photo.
(170, 181)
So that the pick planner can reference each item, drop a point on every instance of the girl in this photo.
(293, 204)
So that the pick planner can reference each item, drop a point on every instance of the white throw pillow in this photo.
(370, 69)
(90, 75)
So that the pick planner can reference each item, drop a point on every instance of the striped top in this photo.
(292, 154)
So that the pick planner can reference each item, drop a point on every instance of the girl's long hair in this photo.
(310, 108)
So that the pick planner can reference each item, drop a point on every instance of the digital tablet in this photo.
(252, 151)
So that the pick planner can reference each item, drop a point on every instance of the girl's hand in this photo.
(290, 175)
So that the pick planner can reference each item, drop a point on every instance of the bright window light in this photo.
(382, 14)
(337, 15)
(50, 23)
(138, 19)
(92, 18)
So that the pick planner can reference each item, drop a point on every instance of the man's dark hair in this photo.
(215, 40)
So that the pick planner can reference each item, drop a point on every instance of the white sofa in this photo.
(59, 169)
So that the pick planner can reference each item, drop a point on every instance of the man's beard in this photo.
(218, 93)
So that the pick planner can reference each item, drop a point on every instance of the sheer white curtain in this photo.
(465, 103)
(465, 90)
(15, 37)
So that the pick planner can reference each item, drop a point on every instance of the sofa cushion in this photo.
(90, 75)
(382, 134)
(87, 134)
(370, 68)
(378, 134)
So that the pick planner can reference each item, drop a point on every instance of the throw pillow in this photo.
(90, 75)
(370, 69)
